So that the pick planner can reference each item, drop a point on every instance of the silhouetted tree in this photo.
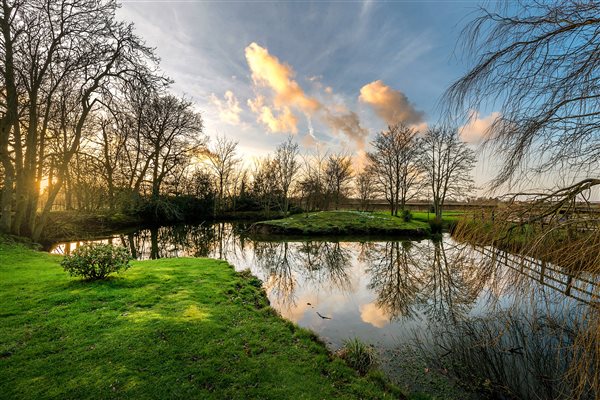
(338, 176)
(286, 167)
(223, 160)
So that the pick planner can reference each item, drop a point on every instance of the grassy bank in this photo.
(171, 328)
(351, 222)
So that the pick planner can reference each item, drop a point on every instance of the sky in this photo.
(332, 74)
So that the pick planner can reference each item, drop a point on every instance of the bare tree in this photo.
(393, 163)
(264, 184)
(540, 66)
(287, 167)
(338, 175)
(77, 47)
(173, 132)
(223, 160)
(364, 188)
(447, 162)
(113, 144)
(311, 184)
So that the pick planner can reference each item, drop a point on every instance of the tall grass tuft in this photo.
(358, 355)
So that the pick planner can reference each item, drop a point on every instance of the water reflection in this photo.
(437, 280)
(388, 292)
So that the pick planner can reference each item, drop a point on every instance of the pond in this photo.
(424, 305)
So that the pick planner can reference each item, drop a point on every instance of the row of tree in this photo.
(87, 123)
(404, 164)
(75, 78)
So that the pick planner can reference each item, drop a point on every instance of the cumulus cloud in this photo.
(475, 131)
(389, 104)
(229, 107)
(268, 72)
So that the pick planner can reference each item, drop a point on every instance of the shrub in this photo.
(96, 261)
(358, 355)
(406, 215)
(436, 226)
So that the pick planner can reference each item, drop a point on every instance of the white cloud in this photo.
(229, 108)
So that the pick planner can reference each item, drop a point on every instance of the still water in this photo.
(398, 295)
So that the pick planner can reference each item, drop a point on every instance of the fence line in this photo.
(581, 286)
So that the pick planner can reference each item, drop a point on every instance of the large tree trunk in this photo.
(10, 119)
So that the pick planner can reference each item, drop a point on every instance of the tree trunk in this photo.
(9, 121)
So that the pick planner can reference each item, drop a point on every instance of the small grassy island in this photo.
(170, 328)
(351, 222)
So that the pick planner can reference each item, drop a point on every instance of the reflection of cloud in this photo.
(371, 314)
(390, 104)
(229, 110)
(269, 72)
(294, 313)
(475, 130)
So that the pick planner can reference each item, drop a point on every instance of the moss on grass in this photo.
(172, 328)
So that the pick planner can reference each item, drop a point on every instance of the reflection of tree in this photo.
(441, 282)
(325, 263)
(451, 282)
(276, 260)
(219, 240)
(394, 276)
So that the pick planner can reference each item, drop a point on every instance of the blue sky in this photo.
(342, 69)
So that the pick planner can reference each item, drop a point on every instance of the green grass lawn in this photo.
(447, 216)
(172, 328)
(351, 222)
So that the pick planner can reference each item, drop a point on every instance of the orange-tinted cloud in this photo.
(283, 121)
(269, 72)
(229, 108)
(476, 129)
(371, 314)
(389, 104)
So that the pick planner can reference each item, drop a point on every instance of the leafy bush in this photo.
(358, 355)
(406, 215)
(96, 261)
